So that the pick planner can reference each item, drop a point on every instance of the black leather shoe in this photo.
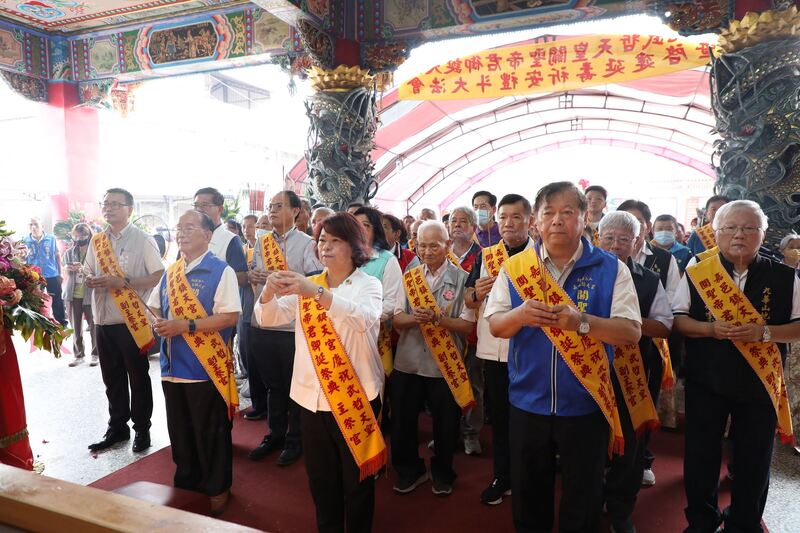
(110, 439)
(141, 441)
(267, 446)
(289, 455)
(253, 415)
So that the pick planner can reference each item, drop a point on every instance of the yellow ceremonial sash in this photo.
(248, 252)
(475, 239)
(385, 349)
(342, 388)
(668, 376)
(706, 235)
(440, 341)
(721, 296)
(711, 252)
(208, 346)
(127, 300)
(585, 356)
(632, 378)
(271, 255)
(453, 259)
(494, 257)
(412, 245)
(595, 237)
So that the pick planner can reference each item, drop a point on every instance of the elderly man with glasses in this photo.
(737, 310)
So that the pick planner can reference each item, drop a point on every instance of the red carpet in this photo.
(277, 499)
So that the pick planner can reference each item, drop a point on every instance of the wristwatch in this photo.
(766, 335)
(320, 290)
(192, 326)
(583, 328)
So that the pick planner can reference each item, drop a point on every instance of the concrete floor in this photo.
(67, 410)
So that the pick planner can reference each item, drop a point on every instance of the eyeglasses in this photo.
(733, 230)
(275, 207)
(623, 241)
(203, 205)
(185, 230)
(113, 206)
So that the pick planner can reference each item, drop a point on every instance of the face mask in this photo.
(82, 242)
(260, 233)
(664, 238)
(483, 217)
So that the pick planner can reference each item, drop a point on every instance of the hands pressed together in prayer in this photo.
(105, 282)
(285, 283)
(540, 315)
(257, 276)
(424, 316)
(745, 333)
(483, 287)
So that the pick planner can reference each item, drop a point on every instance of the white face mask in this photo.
(260, 233)
(483, 216)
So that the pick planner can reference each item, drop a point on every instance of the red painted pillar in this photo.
(81, 129)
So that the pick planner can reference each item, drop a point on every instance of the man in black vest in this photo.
(719, 380)
(662, 263)
(619, 234)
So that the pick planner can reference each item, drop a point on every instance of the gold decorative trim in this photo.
(755, 28)
(8, 440)
(340, 79)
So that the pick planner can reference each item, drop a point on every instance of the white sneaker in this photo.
(648, 478)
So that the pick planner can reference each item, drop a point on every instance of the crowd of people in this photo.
(555, 319)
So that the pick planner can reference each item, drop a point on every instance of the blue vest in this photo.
(204, 280)
(376, 266)
(540, 382)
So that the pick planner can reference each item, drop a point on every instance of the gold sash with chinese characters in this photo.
(632, 378)
(453, 259)
(706, 235)
(412, 245)
(494, 257)
(668, 376)
(128, 302)
(385, 349)
(440, 341)
(271, 255)
(725, 301)
(342, 388)
(596, 236)
(208, 346)
(711, 252)
(585, 356)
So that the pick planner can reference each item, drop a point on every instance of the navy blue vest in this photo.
(540, 382)
(204, 280)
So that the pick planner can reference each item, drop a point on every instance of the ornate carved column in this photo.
(755, 85)
(343, 113)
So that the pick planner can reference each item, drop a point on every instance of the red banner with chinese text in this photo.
(208, 346)
(725, 301)
(342, 387)
(127, 301)
(561, 65)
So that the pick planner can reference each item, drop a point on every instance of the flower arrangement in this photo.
(26, 307)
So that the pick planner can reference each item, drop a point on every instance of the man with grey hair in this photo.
(417, 375)
(618, 233)
(463, 223)
(319, 216)
(427, 214)
(737, 310)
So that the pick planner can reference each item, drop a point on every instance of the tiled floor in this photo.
(67, 411)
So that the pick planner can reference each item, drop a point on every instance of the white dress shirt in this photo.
(392, 283)
(624, 302)
(355, 315)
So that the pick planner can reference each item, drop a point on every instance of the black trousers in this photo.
(121, 364)
(243, 343)
(77, 312)
(706, 416)
(54, 290)
(496, 383)
(274, 360)
(200, 435)
(655, 372)
(624, 477)
(582, 442)
(409, 393)
(342, 502)
(256, 375)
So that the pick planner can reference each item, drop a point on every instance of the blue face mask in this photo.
(260, 233)
(483, 217)
(664, 238)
